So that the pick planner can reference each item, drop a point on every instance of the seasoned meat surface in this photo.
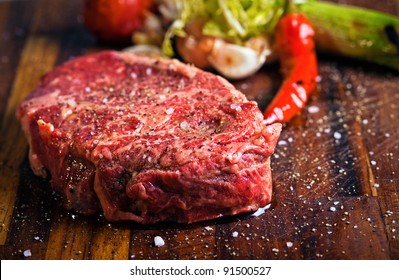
(148, 140)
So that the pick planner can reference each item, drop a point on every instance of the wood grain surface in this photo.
(335, 169)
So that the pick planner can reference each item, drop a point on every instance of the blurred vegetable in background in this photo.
(354, 32)
(115, 20)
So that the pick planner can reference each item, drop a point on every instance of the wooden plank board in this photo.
(335, 169)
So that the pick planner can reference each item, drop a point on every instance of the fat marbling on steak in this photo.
(148, 140)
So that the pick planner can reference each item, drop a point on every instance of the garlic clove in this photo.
(234, 61)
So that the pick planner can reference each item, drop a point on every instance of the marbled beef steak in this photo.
(148, 140)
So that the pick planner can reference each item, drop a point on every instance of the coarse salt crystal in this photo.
(282, 143)
(208, 228)
(236, 107)
(333, 209)
(234, 234)
(27, 253)
(313, 109)
(170, 111)
(289, 244)
(71, 102)
(172, 67)
(337, 135)
(373, 162)
(148, 71)
(376, 185)
(261, 210)
(184, 125)
(158, 241)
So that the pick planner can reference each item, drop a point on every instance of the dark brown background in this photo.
(342, 151)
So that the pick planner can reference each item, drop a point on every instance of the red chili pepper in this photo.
(296, 50)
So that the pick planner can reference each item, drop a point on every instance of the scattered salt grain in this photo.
(236, 107)
(158, 241)
(27, 253)
(373, 162)
(208, 228)
(376, 185)
(313, 109)
(289, 244)
(282, 143)
(71, 102)
(148, 71)
(337, 135)
(333, 209)
(170, 111)
(184, 125)
(36, 238)
(234, 234)
(261, 211)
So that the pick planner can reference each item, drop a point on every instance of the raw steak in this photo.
(148, 140)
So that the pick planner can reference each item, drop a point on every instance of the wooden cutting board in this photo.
(335, 169)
